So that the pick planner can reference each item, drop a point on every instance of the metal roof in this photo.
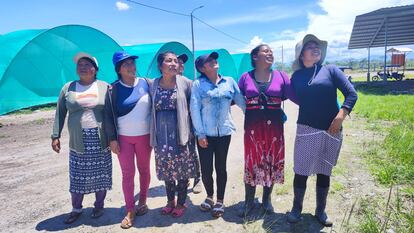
(397, 23)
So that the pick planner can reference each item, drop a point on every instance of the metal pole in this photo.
(384, 78)
(192, 39)
(369, 64)
(283, 66)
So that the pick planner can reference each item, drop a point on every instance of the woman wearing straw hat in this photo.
(127, 118)
(319, 125)
(264, 90)
(211, 99)
(90, 162)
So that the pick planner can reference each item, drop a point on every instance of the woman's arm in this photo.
(59, 120)
(288, 90)
(195, 110)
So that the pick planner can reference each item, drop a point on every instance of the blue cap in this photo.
(202, 59)
(120, 56)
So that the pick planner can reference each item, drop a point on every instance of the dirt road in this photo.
(34, 186)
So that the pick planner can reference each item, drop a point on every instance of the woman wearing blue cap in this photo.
(127, 116)
(90, 161)
(211, 99)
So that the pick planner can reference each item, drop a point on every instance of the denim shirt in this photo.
(210, 106)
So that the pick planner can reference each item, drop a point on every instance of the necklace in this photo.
(313, 76)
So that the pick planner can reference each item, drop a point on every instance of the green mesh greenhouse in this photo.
(35, 64)
(242, 63)
(147, 62)
(226, 63)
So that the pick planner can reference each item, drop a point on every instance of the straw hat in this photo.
(299, 46)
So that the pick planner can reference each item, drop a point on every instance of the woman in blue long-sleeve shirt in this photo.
(211, 98)
(319, 130)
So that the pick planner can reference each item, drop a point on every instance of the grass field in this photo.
(390, 156)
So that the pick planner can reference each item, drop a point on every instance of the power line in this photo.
(156, 8)
(187, 15)
(218, 30)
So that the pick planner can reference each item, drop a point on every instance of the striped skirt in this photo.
(316, 151)
(90, 171)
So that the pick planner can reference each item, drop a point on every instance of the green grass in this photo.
(30, 110)
(390, 158)
(391, 161)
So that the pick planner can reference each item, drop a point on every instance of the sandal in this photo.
(166, 210)
(127, 223)
(218, 210)
(141, 210)
(178, 211)
(207, 204)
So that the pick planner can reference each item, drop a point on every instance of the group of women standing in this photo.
(173, 114)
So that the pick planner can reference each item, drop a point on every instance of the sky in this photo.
(277, 23)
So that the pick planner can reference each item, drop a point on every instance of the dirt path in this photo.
(34, 184)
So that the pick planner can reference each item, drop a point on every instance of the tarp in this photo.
(35, 64)
(243, 63)
(147, 62)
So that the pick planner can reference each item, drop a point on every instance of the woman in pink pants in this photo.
(127, 109)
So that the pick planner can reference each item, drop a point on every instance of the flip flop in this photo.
(126, 223)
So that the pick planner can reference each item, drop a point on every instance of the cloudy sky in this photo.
(278, 23)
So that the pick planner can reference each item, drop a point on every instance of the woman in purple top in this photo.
(319, 125)
(264, 148)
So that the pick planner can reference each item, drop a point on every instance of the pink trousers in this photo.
(132, 147)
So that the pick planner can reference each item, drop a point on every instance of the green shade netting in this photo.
(147, 62)
(225, 60)
(35, 64)
(242, 62)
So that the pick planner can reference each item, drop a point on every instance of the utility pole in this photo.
(192, 38)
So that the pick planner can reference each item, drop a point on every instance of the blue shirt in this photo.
(318, 97)
(210, 106)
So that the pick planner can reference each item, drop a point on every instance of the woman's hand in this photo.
(336, 124)
(114, 147)
(56, 145)
(203, 142)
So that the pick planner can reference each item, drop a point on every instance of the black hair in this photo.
(117, 68)
(161, 57)
(254, 52)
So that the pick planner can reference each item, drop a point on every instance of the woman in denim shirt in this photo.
(211, 99)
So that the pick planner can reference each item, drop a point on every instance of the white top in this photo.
(136, 122)
(87, 97)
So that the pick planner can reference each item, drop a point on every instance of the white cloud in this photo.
(335, 26)
(121, 6)
(260, 16)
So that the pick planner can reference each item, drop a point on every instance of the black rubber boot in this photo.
(248, 204)
(320, 214)
(295, 214)
(266, 200)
